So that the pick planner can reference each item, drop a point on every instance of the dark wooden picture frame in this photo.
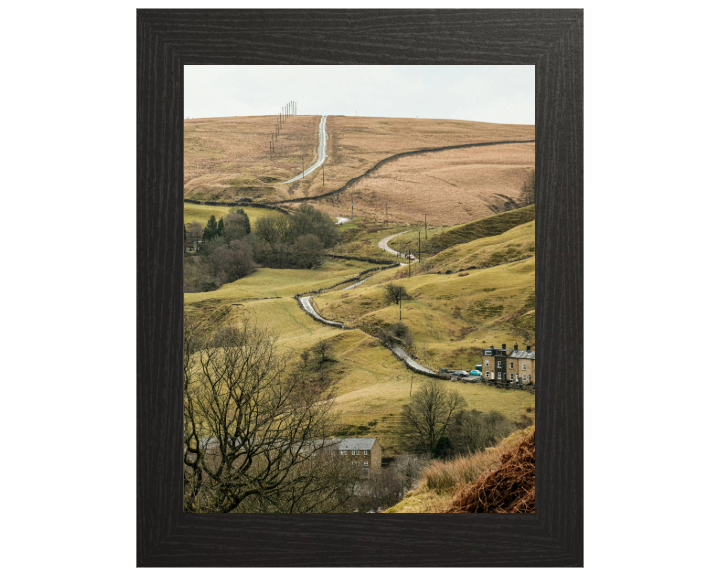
(552, 40)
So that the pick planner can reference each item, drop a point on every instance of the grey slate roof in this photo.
(523, 354)
(356, 443)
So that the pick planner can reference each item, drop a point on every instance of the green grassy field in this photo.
(442, 239)
(370, 383)
(202, 213)
(451, 317)
(271, 282)
(516, 243)
(362, 240)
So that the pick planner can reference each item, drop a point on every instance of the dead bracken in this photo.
(510, 489)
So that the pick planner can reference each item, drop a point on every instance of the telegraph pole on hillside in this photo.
(418, 246)
(425, 226)
(386, 215)
(352, 207)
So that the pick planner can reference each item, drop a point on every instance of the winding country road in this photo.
(322, 152)
(305, 303)
(399, 352)
(383, 244)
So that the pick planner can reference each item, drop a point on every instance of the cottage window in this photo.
(499, 364)
(365, 452)
(487, 362)
(366, 464)
(511, 365)
(524, 365)
(487, 374)
(524, 377)
(354, 452)
(343, 452)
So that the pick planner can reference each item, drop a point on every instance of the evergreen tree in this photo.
(210, 229)
(221, 227)
(247, 223)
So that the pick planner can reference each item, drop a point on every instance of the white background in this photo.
(651, 286)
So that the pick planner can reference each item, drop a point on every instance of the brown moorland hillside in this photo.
(356, 144)
(229, 158)
(451, 187)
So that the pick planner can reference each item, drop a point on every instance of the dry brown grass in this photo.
(229, 158)
(508, 490)
(357, 144)
(442, 481)
(451, 187)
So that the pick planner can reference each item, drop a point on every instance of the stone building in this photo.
(521, 366)
(363, 452)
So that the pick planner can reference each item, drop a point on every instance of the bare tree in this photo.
(426, 418)
(256, 438)
(394, 292)
(194, 232)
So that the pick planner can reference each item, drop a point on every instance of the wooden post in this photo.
(418, 246)
(400, 306)
(425, 226)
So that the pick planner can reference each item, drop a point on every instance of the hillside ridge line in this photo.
(395, 157)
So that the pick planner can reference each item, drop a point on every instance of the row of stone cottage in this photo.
(505, 365)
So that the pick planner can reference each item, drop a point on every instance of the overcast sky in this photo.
(504, 94)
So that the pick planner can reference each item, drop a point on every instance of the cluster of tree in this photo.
(528, 189)
(397, 335)
(436, 422)
(256, 436)
(225, 254)
(297, 240)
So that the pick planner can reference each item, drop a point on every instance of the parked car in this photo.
(461, 373)
(476, 372)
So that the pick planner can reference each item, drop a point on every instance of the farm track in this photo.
(395, 157)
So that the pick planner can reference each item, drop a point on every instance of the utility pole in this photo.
(425, 226)
(418, 246)
(386, 215)
(407, 254)
(401, 307)
(323, 174)
(352, 207)
(303, 166)
(412, 376)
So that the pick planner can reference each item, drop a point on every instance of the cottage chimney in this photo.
(515, 345)
(492, 347)
(503, 346)
(528, 349)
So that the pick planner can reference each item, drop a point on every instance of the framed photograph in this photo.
(360, 288)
